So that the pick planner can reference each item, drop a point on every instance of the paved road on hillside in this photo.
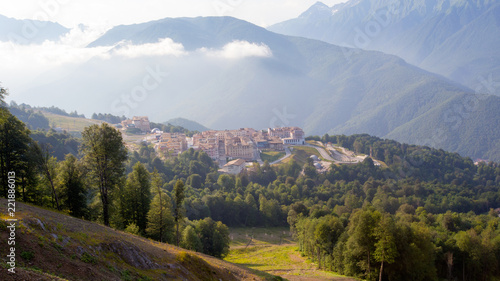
(288, 154)
(322, 152)
(341, 158)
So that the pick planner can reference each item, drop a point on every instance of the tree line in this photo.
(106, 117)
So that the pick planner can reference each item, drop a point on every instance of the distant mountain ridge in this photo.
(457, 39)
(29, 31)
(303, 82)
(188, 124)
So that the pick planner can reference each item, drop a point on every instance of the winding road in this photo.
(288, 154)
(329, 154)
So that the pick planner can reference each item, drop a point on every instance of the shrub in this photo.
(27, 255)
(87, 258)
(132, 229)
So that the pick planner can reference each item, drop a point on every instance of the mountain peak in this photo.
(319, 4)
(193, 33)
(318, 9)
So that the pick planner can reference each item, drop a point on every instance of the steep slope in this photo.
(455, 127)
(54, 246)
(259, 79)
(471, 53)
(457, 39)
(425, 109)
(29, 31)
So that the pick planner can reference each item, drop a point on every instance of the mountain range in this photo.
(457, 39)
(29, 31)
(227, 73)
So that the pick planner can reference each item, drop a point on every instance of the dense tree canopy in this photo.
(104, 155)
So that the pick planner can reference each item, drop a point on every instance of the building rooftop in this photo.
(237, 162)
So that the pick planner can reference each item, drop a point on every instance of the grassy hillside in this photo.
(54, 246)
(301, 153)
(70, 124)
(271, 156)
(274, 251)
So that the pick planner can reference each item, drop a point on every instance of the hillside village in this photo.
(230, 148)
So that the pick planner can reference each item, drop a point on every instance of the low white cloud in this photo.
(69, 49)
(82, 35)
(239, 49)
(26, 66)
(46, 55)
(164, 47)
(23, 65)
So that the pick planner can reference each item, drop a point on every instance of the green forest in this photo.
(425, 214)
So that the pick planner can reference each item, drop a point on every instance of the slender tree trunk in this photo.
(319, 258)
(177, 233)
(161, 216)
(3, 180)
(44, 162)
(381, 269)
(23, 186)
(104, 199)
(369, 271)
(104, 194)
(49, 176)
(449, 263)
(105, 210)
(463, 269)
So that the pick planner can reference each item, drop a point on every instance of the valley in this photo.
(281, 80)
(305, 217)
(338, 140)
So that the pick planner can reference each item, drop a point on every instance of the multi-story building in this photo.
(296, 137)
(279, 132)
(212, 149)
(172, 143)
(141, 123)
(245, 143)
(289, 135)
(240, 147)
(234, 167)
(276, 145)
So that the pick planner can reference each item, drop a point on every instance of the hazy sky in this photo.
(28, 66)
(115, 12)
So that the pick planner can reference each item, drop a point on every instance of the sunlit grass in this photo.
(271, 156)
(70, 124)
(277, 260)
(260, 236)
(273, 250)
(301, 153)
